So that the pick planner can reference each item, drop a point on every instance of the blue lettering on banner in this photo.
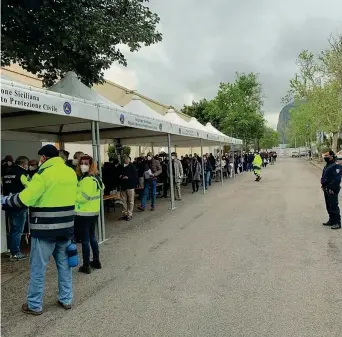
(67, 108)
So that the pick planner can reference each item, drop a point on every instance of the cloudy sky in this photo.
(206, 42)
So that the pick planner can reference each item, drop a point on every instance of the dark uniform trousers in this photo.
(331, 203)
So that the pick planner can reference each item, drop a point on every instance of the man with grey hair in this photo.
(64, 155)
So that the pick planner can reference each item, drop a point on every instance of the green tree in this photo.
(199, 110)
(269, 139)
(318, 86)
(50, 37)
(239, 107)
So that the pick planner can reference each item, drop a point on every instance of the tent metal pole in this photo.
(221, 164)
(98, 140)
(202, 160)
(95, 149)
(233, 169)
(242, 161)
(172, 191)
(93, 140)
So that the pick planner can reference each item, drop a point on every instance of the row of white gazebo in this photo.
(72, 112)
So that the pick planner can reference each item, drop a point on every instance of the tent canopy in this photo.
(71, 85)
(54, 113)
(37, 111)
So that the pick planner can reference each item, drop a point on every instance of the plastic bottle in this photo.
(72, 255)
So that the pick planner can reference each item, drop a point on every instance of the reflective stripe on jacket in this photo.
(51, 196)
(88, 199)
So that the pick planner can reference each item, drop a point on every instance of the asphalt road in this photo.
(249, 259)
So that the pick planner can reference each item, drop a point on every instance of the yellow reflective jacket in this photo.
(51, 196)
(257, 161)
(88, 199)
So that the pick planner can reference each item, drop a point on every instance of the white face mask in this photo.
(173, 157)
(75, 162)
(125, 164)
(32, 168)
(149, 157)
(9, 163)
(84, 168)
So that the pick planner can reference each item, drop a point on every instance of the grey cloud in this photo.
(207, 42)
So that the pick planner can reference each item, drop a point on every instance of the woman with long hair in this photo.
(88, 201)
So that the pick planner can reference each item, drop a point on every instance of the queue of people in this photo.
(63, 197)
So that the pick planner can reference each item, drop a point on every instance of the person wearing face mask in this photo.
(88, 201)
(176, 175)
(33, 167)
(6, 165)
(14, 182)
(152, 170)
(74, 162)
(330, 183)
(51, 196)
(128, 183)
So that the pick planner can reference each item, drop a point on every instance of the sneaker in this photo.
(328, 223)
(96, 264)
(141, 209)
(64, 306)
(25, 309)
(19, 257)
(128, 218)
(84, 269)
(123, 217)
(336, 226)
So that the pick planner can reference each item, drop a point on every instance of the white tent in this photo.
(210, 135)
(42, 111)
(71, 85)
(228, 139)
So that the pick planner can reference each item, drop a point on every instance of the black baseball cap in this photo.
(48, 151)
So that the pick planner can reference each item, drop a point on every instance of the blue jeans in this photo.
(207, 178)
(17, 220)
(249, 167)
(41, 251)
(153, 184)
(87, 228)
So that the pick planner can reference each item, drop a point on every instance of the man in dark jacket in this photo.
(250, 159)
(330, 181)
(152, 171)
(6, 165)
(14, 182)
(128, 182)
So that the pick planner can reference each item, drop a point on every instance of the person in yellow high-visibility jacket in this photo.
(257, 163)
(51, 197)
(88, 203)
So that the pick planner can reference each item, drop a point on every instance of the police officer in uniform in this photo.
(51, 196)
(330, 181)
(14, 181)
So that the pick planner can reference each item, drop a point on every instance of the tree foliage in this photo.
(199, 110)
(235, 110)
(50, 37)
(317, 93)
(269, 139)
